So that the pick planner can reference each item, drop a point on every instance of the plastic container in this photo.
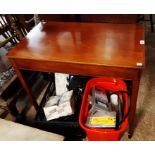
(103, 134)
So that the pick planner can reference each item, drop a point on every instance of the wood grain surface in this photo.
(116, 45)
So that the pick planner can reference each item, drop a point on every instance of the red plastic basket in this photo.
(102, 134)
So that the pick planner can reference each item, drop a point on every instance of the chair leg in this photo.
(13, 109)
(151, 22)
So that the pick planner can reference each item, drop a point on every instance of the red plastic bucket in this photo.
(102, 134)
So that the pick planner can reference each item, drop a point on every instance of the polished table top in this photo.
(102, 44)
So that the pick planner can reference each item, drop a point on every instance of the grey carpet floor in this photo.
(145, 113)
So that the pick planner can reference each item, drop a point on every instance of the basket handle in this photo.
(126, 115)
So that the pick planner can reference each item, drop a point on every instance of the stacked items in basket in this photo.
(105, 108)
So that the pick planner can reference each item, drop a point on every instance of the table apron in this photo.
(78, 69)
